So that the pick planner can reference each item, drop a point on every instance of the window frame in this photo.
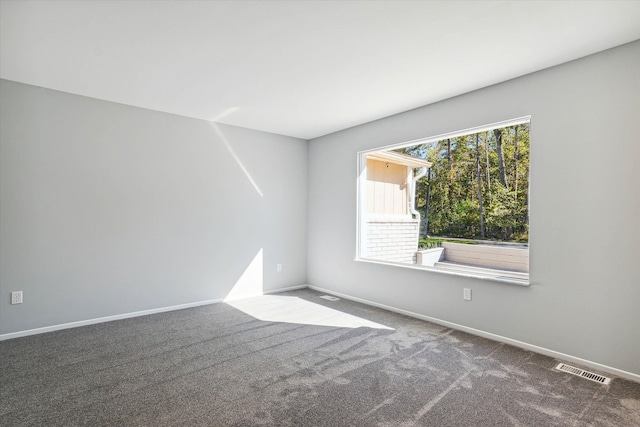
(361, 198)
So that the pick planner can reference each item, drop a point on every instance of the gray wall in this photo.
(108, 209)
(585, 212)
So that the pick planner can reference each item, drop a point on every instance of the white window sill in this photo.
(488, 274)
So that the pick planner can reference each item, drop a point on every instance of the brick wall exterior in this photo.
(392, 240)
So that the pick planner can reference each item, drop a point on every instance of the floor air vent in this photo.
(330, 298)
(582, 373)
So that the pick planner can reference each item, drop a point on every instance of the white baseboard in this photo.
(547, 352)
(290, 288)
(128, 315)
(104, 319)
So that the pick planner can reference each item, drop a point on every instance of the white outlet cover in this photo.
(466, 294)
(16, 297)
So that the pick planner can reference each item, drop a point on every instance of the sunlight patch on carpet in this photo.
(277, 308)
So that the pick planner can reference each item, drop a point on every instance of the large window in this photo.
(457, 202)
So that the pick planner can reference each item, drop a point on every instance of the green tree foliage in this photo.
(503, 170)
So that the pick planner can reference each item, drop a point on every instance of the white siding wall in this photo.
(391, 240)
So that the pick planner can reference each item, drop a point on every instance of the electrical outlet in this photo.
(466, 294)
(16, 297)
(278, 268)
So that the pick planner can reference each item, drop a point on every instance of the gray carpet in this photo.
(293, 359)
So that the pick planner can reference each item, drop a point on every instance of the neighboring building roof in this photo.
(399, 159)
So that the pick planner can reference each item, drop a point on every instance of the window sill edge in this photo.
(499, 279)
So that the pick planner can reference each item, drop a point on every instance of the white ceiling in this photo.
(303, 68)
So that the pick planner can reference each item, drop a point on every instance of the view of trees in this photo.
(478, 186)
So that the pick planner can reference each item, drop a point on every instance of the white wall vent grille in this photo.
(582, 373)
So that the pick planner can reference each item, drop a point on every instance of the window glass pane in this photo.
(458, 202)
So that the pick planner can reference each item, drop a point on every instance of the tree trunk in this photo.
(503, 175)
(479, 186)
(526, 204)
(515, 164)
(486, 153)
(425, 232)
(449, 181)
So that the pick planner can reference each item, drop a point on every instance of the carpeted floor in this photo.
(293, 359)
